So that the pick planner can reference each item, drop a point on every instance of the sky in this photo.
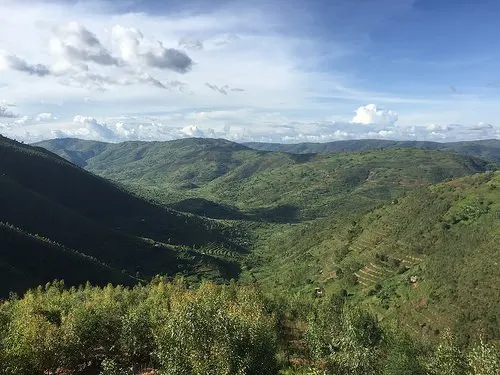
(273, 71)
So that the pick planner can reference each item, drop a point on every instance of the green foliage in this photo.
(483, 359)
(344, 338)
(210, 330)
(358, 225)
(176, 329)
(324, 324)
(211, 334)
(403, 355)
(221, 179)
(448, 359)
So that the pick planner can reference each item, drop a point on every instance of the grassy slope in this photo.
(446, 234)
(45, 195)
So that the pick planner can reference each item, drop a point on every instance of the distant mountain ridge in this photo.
(79, 151)
(489, 148)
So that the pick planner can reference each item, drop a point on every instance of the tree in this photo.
(447, 359)
(483, 359)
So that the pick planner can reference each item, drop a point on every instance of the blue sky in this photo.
(282, 71)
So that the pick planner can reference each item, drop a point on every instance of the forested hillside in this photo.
(267, 185)
(445, 236)
(46, 196)
(364, 221)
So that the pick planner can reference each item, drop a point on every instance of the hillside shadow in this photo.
(214, 210)
(210, 209)
(285, 213)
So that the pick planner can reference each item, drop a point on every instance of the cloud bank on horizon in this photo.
(248, 71)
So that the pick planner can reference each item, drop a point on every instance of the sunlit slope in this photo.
(446, 235)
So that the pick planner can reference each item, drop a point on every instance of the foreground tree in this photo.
(447, 359)
(483, 359)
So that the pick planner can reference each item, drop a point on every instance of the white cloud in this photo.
(82, 60)
(13, 62)
(223, 89)
(90, 128)
(6, 112)
(481, 126)
(371, 114)
(438, 127)
(135, 49)
(192, 131)
(186, 66)
(74, 45)
(190, 43)
(45, 116)
(22, 120)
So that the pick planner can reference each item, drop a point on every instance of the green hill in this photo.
(267, 185)
(489, 149)
(28, 260)
(446, 235)
(42, 194)
(359, 221)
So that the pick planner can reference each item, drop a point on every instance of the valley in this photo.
(362, 221)
(405, 233)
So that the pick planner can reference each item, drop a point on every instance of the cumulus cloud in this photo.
(438, 127)
(371, 114)
(481, 126)
(134, 48)
(6, 112)
(73, 44)
(22, 120)
(90, 128)
(222, 89)
(192, 131)
(13, 62)
(45, 116)
(82, 60)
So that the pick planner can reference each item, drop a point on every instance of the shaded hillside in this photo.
(77, 151)
(28, 260)
(46, 195)
(445, 235)
(489, 149)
